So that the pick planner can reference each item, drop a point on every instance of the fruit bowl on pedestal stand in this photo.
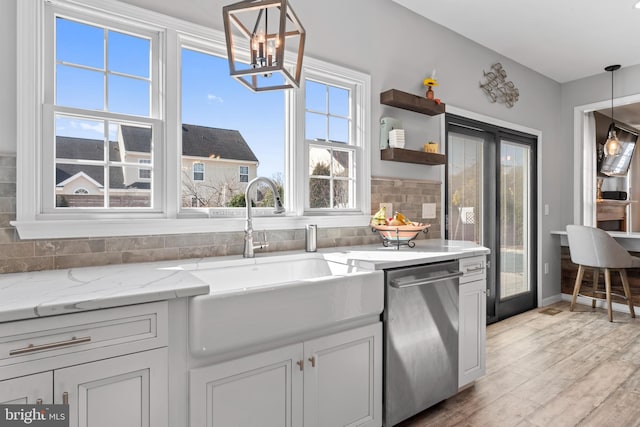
(400, 235)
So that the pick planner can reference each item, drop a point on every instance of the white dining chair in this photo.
(595, 249)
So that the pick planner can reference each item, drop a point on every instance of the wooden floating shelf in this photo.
(412, 156)
(408, 101)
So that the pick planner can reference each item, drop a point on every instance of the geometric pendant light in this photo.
(265, 44)
(612, 147)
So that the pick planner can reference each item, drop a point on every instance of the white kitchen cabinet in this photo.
(343, 379)
(125, 391)
(110, 365)
(263, 390)
(336, 379)
(472, 331)
(27, 390)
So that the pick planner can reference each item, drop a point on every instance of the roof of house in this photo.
(197, 141)
(87, 149)
(201, 141)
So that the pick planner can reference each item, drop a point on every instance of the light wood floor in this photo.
(571, 369)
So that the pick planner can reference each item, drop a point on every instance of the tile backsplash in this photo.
(46, 254)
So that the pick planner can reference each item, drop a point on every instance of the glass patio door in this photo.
(490, 187)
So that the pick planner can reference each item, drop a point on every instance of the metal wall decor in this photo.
(497, 88)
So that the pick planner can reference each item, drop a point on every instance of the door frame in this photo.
(538, 153)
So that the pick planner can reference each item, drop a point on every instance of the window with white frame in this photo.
(144, 173)
(95, 114)
(330, 146)
(99, 101)
(244, 173)
(198, 171)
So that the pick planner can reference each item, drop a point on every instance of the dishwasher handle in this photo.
(425, 281)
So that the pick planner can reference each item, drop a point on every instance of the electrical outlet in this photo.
(428, 210)
(546, 268)
(388, 207)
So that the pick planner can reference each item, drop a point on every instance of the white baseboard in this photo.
(551, 300)
(600, 303)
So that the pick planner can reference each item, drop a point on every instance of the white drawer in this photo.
(144, 325)
(473, 268)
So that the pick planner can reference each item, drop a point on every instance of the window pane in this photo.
(129, 96)
(134, 142)
(129, 54)
(319, 193)
(79, 88)
(125, 193)
(338, 129)
(80, 44)
(316, 127)
(342, 161)
(316, 96)
(79, 139)
(223, 121)
(319, 161)
(338, 101)
(79, 186)
(341, 194)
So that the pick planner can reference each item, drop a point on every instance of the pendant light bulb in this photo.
(612, 147)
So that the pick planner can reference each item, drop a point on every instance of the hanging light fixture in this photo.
(612, 147)
(261, 38)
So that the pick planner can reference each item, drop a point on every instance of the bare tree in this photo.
(210, 192)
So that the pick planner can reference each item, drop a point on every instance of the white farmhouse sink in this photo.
(256, 301)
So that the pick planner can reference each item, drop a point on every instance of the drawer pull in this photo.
(65, 398)
(312, 359)
(479, 268)
(38, 401)
(31, 348)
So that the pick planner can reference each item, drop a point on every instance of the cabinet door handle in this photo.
(65, 398)
(312, 359)
(301, 364)
(38, 401)
(31, 348)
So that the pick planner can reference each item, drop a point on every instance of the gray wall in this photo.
(398, 49)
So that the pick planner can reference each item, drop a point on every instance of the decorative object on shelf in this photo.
(430, 82)
(258, 32)
(599, 182)
(387, 124)
(612, 147)
(396, 138)
(497, 88)
(430, 147)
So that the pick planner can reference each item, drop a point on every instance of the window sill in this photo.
(63, 229)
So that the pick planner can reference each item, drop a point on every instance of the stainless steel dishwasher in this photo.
(420, 338)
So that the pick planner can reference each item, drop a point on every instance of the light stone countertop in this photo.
(53, 292)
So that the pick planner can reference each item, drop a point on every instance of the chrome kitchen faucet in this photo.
(248, 251)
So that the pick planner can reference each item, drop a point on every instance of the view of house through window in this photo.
(107, 111)
(231, 134)
(101, 162)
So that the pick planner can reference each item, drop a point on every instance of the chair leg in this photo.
(596, 276)
(576, 287)
(607, 286)
(627, 291)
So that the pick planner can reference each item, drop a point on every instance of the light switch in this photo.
(546, 209)
(428, 210)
